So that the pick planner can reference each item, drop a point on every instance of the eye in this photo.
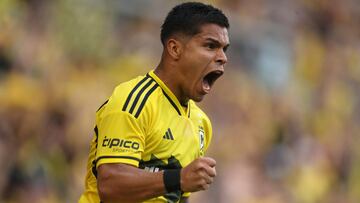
(211, 45)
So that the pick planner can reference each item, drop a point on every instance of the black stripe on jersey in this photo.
(102, 105)
(189, 109)
(93, 168)
(170, 135)
(145, 99)
(133, 90)
(172, 103)
(120, 157)
(139, 95)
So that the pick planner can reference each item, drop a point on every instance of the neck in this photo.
(172, 81)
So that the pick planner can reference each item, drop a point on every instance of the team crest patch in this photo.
(201, 138)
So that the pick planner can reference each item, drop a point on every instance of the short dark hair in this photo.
(187, 18)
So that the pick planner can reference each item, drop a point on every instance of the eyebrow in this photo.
(215, 41)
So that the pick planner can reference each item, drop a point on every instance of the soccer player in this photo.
(150, 137)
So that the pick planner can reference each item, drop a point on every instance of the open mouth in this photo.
(210, 79)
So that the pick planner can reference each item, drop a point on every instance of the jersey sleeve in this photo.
(120, 139)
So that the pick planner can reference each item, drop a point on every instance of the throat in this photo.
(184, 102)
(184, 108)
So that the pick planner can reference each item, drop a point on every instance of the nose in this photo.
(221, 58)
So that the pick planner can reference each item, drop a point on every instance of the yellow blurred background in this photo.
(286, 114)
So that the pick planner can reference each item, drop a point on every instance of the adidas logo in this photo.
(168, 135)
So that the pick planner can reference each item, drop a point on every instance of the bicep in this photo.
(107, 177)
(108, 173)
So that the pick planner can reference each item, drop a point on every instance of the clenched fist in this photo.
(198, 175)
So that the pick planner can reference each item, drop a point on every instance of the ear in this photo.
(174, 48)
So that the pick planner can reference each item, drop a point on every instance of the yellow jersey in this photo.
(143, 124)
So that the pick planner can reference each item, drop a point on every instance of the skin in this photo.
(185, 62)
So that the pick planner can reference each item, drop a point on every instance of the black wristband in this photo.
(171, 180)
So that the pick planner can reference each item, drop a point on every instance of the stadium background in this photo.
(286, 114)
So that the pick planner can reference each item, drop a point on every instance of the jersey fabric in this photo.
(143, 124)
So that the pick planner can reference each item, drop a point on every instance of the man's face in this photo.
(203, 60)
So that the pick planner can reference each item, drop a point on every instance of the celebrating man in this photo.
(150, 137)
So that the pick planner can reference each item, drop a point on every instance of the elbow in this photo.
(105, 192)
(110, 191)
(107, 189)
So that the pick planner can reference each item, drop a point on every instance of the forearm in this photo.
(120, 182)
(125, 183)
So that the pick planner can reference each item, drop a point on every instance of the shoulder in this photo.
(132, 96)
(119, 95)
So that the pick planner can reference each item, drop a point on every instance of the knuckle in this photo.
(202, 173)
(202, 183)
(200, 165)
(205, 187)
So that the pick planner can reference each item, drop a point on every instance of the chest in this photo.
(175, 138)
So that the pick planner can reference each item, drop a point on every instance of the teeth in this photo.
(206, 84)
(209, 80)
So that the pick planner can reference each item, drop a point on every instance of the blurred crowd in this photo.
(286, 114)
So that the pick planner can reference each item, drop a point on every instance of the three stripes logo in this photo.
(148, 85)
(168, 135)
